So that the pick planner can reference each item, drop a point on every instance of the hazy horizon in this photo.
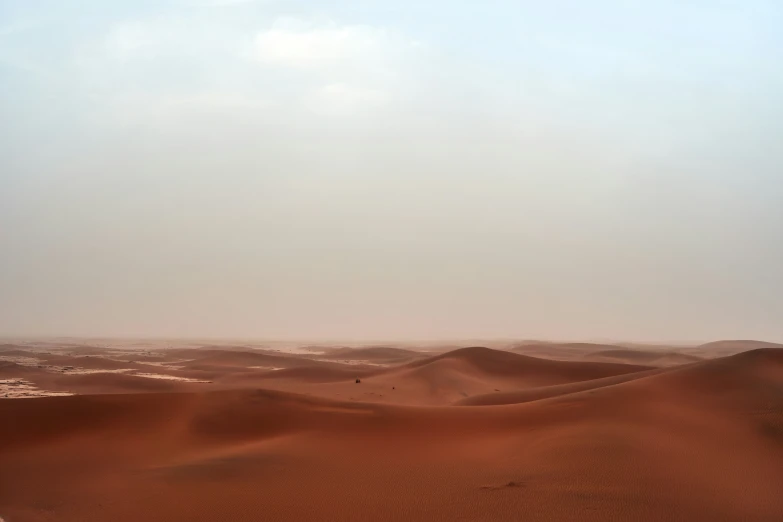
(364, 342)
(391, 170)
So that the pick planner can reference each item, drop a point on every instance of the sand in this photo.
(466, 434)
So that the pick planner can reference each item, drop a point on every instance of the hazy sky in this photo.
(392, 169)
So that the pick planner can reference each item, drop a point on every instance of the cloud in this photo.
(350, 68)
(180, 66)
(297, 44)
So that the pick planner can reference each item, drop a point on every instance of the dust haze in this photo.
(236, 169)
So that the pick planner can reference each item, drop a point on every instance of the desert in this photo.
(94, 432)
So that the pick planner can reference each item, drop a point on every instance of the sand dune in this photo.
(312, 374)
(501, 362)
(441, 379)
(651, 358)
(13, 369)
(564, 351)
(545, 392)
(724, 348)
(375, 354)
(240, 359)
(574, 441)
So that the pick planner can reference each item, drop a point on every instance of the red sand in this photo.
(564, 440)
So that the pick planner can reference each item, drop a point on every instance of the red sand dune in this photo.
(499, 362)
(649, 357)
(588, 442)
(724, 348)
(375, 354)
(561, 351)
(545, 392)
(239, 359)
(442, 379)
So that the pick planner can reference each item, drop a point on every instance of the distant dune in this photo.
(652, 358)
(444, 379)
(545, 392)
(563, 351)
(375, 354)
(723, 348)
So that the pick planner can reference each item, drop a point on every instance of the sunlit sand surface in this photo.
(21, 389)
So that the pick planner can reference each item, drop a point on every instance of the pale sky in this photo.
(392, 169)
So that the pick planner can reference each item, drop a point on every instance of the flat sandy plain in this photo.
(96, 431)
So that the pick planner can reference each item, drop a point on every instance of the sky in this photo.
(392, 170)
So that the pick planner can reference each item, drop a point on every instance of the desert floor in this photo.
(96, 431)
